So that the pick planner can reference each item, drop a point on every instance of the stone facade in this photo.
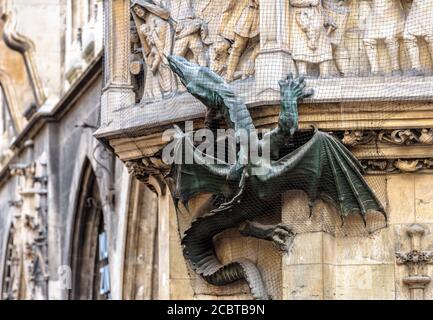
(86, 209)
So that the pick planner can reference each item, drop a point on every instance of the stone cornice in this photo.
(364, 128)
(338, 104)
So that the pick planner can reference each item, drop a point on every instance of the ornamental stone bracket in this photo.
(154, 174)
(416, 261)
(151, 171)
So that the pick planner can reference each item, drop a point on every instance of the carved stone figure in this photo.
(338, 14)
(419, 24)
(239, 29)
(426, 136)
(309, 36)
(154, 33)
(317, 163)
(384, 22)
(190, 33)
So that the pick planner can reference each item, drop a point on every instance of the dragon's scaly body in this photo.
(317, 163)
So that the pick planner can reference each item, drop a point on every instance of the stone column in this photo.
(118, 91)
(275, 60)
(164, 202)
(151, 172)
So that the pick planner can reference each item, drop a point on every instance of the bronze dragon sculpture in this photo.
(316, 163)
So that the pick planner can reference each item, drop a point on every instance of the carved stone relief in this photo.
(398, 137)
(239, 32)
(397, 165)
(310, 41)
(153, 32)
(419, 24)
(223, 36)
(148, 168)
(417, 137)
(325, 38)
(28, 253)
(385, 22)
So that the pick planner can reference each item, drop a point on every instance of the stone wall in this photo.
(323, 264)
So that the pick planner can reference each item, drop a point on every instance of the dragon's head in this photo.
(200, 81)
(187, 71)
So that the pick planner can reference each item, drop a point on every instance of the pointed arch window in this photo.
(89, 258)
(141, 254)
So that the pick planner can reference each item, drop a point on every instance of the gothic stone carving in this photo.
(385, 22)
(338, 14)
(11, 282)
(358, 137)
(416, 260)
(419, 24)
(190, 32)
(146, 168)
(310, 42)
(238, 28)
(153, 32)
(30, 229)
(395, 137)
(397, 166)
(179, 28)
(225, 35)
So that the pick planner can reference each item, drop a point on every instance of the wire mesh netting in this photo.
(365, 59)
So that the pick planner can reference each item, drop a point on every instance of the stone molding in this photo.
(387, 166)
(403, 137)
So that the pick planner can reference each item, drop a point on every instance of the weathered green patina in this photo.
(316, 163)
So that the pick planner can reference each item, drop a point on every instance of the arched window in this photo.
(89, 259)
(141, 265)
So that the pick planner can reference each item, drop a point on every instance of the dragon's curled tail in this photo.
(199, 250)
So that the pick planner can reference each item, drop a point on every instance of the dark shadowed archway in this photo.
(89, 258)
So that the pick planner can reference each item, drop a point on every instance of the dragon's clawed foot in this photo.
(281, 235)
(295, 87)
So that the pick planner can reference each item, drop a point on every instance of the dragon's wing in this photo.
(325, 169)
(206, 175)
(192, 180)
